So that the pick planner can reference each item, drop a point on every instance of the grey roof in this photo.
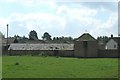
(86, 37)
(10, 40)
(34, 41)
(25, 46)
(116, 39)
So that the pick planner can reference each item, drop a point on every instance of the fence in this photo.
(108, 53)
(62, 53)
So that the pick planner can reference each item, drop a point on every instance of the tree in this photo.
(17, 37)
(33, 35)
(46, 36)
(54, 38)
(20, 39)
(24, 38)
(103, 39)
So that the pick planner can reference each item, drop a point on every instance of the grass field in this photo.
(52, 67)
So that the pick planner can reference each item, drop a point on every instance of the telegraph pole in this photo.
(7, 38)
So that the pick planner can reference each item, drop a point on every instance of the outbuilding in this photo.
(85, 46)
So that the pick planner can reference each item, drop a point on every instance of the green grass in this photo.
(52, 67)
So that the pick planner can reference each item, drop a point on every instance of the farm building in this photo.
(10, 41)
(41, 47)
(112, 43)
(5, 45)
(49, 49)
(85, 46)
(111, 48)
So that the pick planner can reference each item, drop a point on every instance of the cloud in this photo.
(84, 15)
(41, 22)
(107, 27)
(111, 6)
(63, 20)
(8, 1)
(109, 23)
(3, 23)
(82, 11)
(32, 3)
(84, 18)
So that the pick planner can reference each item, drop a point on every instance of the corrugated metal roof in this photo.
(16, 46)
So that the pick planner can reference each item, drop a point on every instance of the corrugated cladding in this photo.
(16, 46)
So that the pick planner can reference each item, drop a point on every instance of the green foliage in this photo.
(103, 39)
(46, 36)
(20, 39)
(16, 63)
(33, 35)
(63, 39)
(52, 67)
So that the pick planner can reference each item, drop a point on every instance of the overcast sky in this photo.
(68, 18)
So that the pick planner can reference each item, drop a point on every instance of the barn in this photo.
(55, 49)
(85, 46)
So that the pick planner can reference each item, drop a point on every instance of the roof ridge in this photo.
(84, 37)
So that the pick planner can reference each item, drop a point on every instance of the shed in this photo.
(85, 46)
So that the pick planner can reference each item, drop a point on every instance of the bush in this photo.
(32, 55)
(16, 63)
(43, 54)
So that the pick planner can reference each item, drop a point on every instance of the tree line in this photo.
(46, 36)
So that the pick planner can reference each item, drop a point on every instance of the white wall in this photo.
(111, 44)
